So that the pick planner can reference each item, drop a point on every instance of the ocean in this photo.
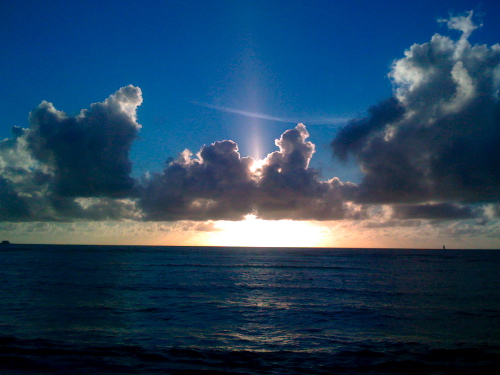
(212, 310)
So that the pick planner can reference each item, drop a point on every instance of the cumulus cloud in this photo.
(46, 169)
(437, 138)
(288, 188)
(88, 154)
(217, 183)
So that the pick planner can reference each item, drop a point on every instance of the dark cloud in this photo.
(45, 170)
(392, 223)
(68, 209)
(88, 154)
(352, 138)
(438, 138)
(442, 211)
(288, 188)
(219, 184)
(12, 206)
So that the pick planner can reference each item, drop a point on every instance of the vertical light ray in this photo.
(255, 140)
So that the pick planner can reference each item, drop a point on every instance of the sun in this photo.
(253, 232)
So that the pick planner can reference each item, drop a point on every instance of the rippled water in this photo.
(82, 309)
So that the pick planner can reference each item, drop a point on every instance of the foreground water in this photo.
(99, 309)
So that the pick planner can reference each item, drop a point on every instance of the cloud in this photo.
(47, 168)
(88, 154)
(216, 184)
(461, 23)
(12, 207)
(437, 138)
(443, 211)
(288, 188)
(331, 120)
(219, 184)
(243, 112)
(353, 137)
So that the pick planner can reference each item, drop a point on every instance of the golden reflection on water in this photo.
(261, 300)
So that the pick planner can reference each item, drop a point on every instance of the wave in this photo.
(23, 356)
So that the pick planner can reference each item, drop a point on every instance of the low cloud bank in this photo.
(429, 152)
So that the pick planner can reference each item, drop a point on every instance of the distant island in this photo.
(5, 242)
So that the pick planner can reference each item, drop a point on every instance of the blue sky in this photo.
(198, 63)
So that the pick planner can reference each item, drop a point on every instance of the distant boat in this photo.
(5, 242)
(444, 247)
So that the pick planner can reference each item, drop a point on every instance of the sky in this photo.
(251, 123)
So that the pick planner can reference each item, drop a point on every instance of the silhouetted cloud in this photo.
(47, 169)
(12, 207)
(88, 154)
(288, 188)
(216, 184)
(352, 138)
(443, 211)
(438, 138)
(220, 184)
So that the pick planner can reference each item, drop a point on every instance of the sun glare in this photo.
(255, 232)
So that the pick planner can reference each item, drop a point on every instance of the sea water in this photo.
(209, 310)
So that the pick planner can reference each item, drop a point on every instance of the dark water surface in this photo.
(193, 310)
